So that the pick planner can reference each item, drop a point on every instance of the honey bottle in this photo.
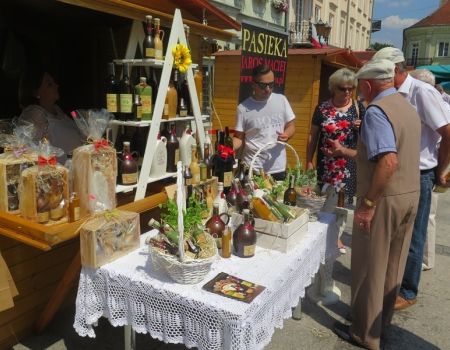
(74, 207)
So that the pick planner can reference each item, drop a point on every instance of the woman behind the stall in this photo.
(38, 94)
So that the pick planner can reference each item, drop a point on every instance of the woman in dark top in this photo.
(336, 119)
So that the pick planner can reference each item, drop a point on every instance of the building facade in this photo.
(427, 42)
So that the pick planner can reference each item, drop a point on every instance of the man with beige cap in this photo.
(388, 191)
(434, 160)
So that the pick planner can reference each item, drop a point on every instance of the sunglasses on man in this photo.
(262, 86)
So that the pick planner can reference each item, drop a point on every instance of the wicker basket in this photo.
(187, 272)
(314, 204)
(180, 268)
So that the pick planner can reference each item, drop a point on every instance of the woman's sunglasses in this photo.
(345, 89)
(262, 86)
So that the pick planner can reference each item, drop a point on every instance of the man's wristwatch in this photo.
(369, 203)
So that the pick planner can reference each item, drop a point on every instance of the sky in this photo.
(398, 15)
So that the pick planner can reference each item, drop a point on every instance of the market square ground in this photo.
(423, 326)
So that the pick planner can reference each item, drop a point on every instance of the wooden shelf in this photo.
(146, 62)
(129, 188)
(145, 123)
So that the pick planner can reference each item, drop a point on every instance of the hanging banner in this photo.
(262, 46)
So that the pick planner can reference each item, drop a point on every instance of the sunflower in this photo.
(181, 57)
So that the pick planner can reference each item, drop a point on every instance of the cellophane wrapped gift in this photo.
(94, 164)
(17, 157)
(107, 236)
(44, 188)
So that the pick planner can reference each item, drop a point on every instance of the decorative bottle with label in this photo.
(244, 237)
(74, 207)
(242, 201)
(145, 93)
(149, 43)
(159, 35)
(290, 196)
(126, 94)
(183, 108)
(172, 101)
(128, 166)
(137, 108)
(112, 89)
(215, 225)
(186, 142)
(173, 150)
(220, 199)
(159, 163)
(223, 163)
(203, 169)
(226, 243)
(195, 168)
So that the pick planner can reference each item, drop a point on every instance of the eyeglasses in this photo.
(262, 86)
(345, 89)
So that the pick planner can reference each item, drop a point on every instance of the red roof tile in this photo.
(439, 17)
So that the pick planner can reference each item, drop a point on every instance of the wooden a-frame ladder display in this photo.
(177, 35)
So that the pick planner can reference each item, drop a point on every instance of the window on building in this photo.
(443, 49)
(414, 53)
(342, 33)
(317, 13)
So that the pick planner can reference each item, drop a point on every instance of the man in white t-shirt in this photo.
(262, 118)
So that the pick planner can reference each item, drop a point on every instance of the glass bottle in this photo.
(223, 164)
(194, 166)
(172, 101)
(112, 89)
(74, 207)
(159, 35)
(198, 79)
(215, 226)
(290, 196)
(173, 150)
(244, 238)
(184, 91)
(176, 85)
(145, 93)
(242, 172)
(209, 198)
(341, 198)
(220, 199)
(137, 108)
(126, 94)
(207, 160)
(69, 166)
(153, 82)
(242, 201)
(262, 210)
(149, 43)
(203, 169)
(228, 141)
(138, 143)
(183, 108)
(232, 198)
(226, 243)
(128, 166)
(187, 183)
(187, 31)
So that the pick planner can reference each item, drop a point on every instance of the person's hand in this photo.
(282, 136)
(443, 180)
(357, 123)
(334, 149)
(363, 216)
(309, 166)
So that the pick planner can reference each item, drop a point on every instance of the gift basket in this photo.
(182, 247)
(44, 188)
(17, 157)
(94, 164)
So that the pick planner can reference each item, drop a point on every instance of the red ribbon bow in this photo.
(100, 144)
(225, 151)
(46, 161)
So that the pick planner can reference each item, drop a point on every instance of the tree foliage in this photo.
(378, 46)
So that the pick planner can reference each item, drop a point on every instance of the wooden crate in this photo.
(10, 169)
(32, 181)
(106, 237)
(95, 174)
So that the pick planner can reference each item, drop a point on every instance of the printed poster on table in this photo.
(262, 46)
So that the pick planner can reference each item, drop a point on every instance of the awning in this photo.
(192, 12)
(441, 72)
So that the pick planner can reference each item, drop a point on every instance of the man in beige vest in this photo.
(388, 193)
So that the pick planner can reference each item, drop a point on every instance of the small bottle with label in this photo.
(244, 237)
(74, 207)
(194, 166)
(226, 243)
(137, 108)
(183, 108)
(129, 166)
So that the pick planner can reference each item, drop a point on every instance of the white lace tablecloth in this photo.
(129, 291)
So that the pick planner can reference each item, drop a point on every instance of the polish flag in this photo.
(315, 41)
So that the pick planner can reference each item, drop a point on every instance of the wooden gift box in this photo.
(10, 169)
(108, 236)
(32, 180)
(94, 174)
(278, 236)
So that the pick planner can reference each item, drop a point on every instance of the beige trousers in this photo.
(377, 265)
(430, 243)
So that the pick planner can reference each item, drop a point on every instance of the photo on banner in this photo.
(262, 46)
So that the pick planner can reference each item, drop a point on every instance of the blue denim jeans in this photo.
(411, 277)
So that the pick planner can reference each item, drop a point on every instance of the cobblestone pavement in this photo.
(425, 326)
